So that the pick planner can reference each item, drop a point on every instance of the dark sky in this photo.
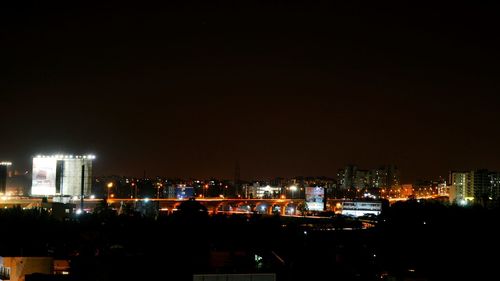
(285, 87)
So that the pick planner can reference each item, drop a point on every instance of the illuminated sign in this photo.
(360, 208)
(182, 193)
(44, 176)
(61, 175)
(315, 198)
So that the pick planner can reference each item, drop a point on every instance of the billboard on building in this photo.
(184, 192)
(44, 176)
(361, 208)
(315, 198)
(61, 175)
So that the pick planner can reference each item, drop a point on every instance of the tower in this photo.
(4, 166)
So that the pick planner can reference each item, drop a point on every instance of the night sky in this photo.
(286, 88)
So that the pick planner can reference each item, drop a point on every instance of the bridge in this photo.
(284, 206)
(214, 205)
(222, 205)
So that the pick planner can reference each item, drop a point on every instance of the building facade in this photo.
(478, 186)
(383, 177)
(62, 175)
(4, 166)
(494, 188)
(462, 187)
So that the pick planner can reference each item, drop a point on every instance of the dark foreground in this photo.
(412, 241)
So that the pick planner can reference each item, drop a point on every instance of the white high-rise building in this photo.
(62, 175)
(462, 187)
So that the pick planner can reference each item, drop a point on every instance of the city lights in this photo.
(250, 140)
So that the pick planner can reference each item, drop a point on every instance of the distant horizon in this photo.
(99, 173)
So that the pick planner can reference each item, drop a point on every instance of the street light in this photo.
(205, 190)
(110, 185)
(134, 185)
(293, 188)
(158, 185)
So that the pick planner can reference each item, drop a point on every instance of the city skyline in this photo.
(265, 140)
(338, 173)
(283, 89)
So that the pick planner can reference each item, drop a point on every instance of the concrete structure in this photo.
(62, 175)
(3, 176)
(219, 205)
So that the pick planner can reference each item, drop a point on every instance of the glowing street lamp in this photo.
(158, 186)
(205, 190)
(293, 188)
(134, 185)
(110, 185)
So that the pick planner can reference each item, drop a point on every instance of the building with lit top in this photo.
(62, 175)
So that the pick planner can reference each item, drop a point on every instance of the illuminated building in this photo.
(352, 177)
(183, 192)
(361, 208)
(406, 190)
(462, 188)
(384, 177)
(443, 189)
(62, 175)
(258, 191)
(3, 176)
(479, 186)
(494, 185)
(346, 177)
